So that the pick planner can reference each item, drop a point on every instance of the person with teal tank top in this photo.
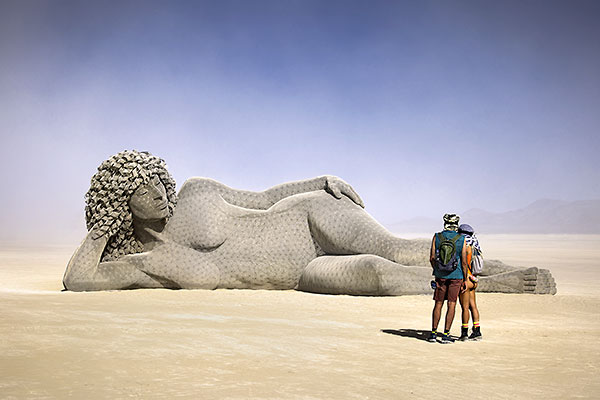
(449, 262)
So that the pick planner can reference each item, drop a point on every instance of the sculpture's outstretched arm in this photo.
(335, 186)
(265, 199)
(86, 272)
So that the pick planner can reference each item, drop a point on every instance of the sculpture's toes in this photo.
(545, 283)
(530, 279)
(538, 281)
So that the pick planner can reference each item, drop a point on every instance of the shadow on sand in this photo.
(411, 333)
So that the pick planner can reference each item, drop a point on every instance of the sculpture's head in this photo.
(128, 184)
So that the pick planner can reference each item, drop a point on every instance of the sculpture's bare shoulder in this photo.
(199, 219)
(192, 186)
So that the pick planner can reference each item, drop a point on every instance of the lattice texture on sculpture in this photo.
(110, 190)
(312, 235)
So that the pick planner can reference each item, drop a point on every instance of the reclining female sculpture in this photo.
(310, 235)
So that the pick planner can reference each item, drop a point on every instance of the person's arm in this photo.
(432, 253)
(265, 199)
(465, 268)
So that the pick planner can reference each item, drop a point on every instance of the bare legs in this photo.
(468, 304)
(437, 313)
(473, 306)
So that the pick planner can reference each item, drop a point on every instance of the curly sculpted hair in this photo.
(107, 200)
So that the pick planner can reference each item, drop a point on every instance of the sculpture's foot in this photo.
(530, 280)
(545, 283)
(364, 274)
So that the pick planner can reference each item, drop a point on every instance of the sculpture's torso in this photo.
(211, 243)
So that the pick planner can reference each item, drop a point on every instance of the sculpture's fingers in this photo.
(330, 187)
(334, 189)
(355, 197)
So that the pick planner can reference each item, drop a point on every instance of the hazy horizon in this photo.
(423, 107)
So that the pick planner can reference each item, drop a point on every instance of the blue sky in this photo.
(424, 107)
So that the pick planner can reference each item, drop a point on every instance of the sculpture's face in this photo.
(150, 201)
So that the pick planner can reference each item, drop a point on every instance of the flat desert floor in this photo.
(239, 344)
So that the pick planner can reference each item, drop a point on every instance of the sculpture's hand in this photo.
(338, 187)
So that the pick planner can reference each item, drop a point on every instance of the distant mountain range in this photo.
(541, 216)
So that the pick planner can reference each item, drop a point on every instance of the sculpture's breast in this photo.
(198, 220)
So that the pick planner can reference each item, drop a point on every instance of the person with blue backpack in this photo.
(449, 263)
(468, 301)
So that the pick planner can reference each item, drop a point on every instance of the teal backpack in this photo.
(446, 256)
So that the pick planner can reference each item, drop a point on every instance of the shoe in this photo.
(464, 334)
(476, 335)
(432, 338)
(446, 339)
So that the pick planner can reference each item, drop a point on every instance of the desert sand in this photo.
(238, 344)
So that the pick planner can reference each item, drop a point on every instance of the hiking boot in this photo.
(432, 338)
(446, 339)
(476, 334)
(464, 334)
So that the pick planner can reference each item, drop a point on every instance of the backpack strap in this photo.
(455, 238)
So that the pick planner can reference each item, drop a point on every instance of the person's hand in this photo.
(337, 187)
(463, 287)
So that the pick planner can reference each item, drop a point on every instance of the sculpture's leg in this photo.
(493, 267)
(364, 274)
(342, 227)
(528, 280)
